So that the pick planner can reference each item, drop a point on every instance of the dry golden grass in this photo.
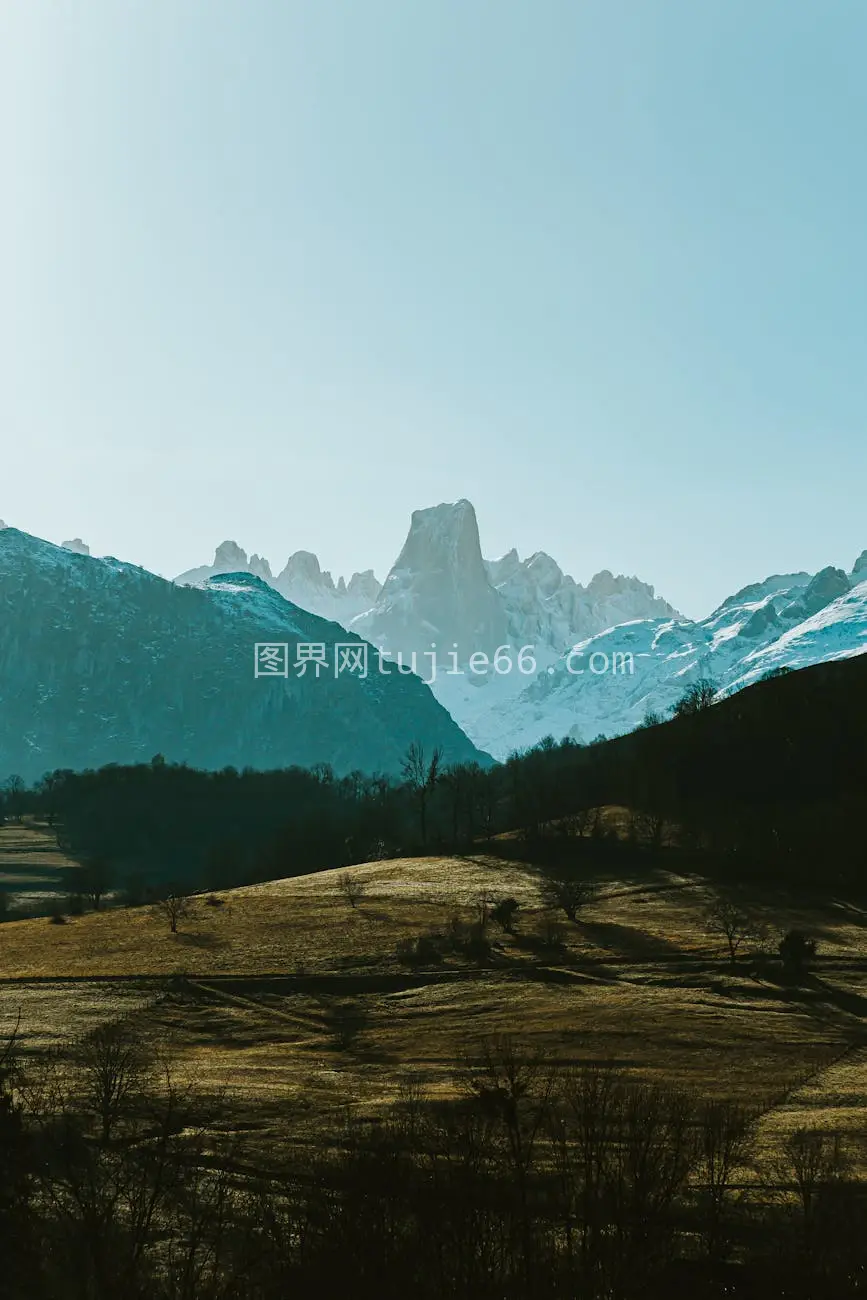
(638, 981)
(47, 1014)
(30, 860)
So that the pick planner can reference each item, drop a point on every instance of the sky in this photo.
(283, 272)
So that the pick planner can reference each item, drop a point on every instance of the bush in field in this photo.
(504, 914)
(424, 950)
(798, 951)
(345, 1021)
(568, 894)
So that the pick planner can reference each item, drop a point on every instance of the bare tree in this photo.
(115, 1069)
(421, 776)
(456, 782)
(724, 1143)
(174, 907)
(352, 889)
(575, 824)
(727, 919)
(696, 698)
(95, 880)
(14, 791)
(514, 1087)
(569, 894)
(648, 827)
(812, 1160)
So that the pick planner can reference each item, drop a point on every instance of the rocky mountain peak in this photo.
(438, 589)
(303, 566)
(230, 558)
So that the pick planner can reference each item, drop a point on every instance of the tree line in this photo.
(770, 782)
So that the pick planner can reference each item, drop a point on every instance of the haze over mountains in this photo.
(442, 597)
(301, 580)
(440, 589)
(102, 661)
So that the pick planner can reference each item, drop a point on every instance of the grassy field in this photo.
(32, 867)
(243, 999)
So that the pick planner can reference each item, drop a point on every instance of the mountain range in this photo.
(301, 580)
(442, 603)
(441, 590)
(103, 662)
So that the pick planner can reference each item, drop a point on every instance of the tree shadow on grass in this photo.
(635, 945)
(197, 939)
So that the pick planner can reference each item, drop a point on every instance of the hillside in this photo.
(102, 662)
(638, 980)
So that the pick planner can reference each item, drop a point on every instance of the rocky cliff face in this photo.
(440, 590)
(548, 609)
(438, 593)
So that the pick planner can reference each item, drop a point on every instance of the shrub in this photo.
(504, 914)
(568, 893)
(424, 950)
(797, 950)
(345, 1022)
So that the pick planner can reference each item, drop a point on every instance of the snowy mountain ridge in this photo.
(442, 603)
(301, 580)
(611, 682)
(441, 589)
(600, 657)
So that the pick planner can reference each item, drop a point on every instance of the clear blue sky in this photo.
(284, 271)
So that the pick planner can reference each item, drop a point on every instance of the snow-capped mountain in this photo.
(609, 683)
(546, 607)
(442, 604)
(441, 590)
(301, 580)
(101, 662)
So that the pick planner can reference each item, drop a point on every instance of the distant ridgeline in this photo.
(774, 776)
(771, 781)
(102, 662)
